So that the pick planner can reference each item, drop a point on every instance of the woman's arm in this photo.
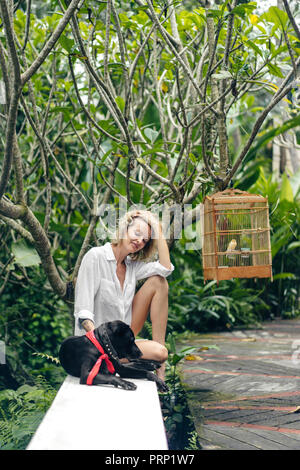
(163, 251)
(162, 246)
(87, 284)
(87, 324)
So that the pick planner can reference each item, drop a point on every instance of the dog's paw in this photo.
(161, 385)
(127, 385)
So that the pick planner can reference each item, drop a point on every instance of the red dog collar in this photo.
(91, 336)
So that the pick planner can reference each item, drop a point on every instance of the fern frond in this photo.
(48, 357)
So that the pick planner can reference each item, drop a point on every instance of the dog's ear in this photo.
(123, 328)
(118, 327)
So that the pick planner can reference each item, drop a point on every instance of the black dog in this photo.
(78, 355)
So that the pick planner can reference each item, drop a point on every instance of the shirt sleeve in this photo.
(87, 284)
(144, 270)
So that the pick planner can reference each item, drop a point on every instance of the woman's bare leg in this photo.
(153, 296)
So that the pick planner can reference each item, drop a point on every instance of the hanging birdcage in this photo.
(236, 241)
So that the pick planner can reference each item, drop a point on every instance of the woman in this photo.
(105, 287)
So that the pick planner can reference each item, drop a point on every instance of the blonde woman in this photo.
(106, 283)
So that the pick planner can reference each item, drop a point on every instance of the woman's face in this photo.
(138, 234)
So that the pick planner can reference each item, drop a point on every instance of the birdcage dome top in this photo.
(234, 195)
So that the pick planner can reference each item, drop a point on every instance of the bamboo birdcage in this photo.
(236, 235)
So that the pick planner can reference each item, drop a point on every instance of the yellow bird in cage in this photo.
(230, 252)
(231, 245)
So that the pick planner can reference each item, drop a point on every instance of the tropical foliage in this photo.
(138, 104)
(21, 411)
(144, 102)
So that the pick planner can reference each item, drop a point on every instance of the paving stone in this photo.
(225, 438)
(243, 394)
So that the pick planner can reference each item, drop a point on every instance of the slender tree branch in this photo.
(170, 44)
(87, 113)
(13, 100)
(9, 33)
(291, 18)
(85, 246)
(51, 42)
(102, 89)
(221, 118)
(290, 50)
(5, 73)
(157, 82)
(117, 114)
(47, 148)
(18, 228)
(28, 10)
(152, 18)
(227, 50)
(43, 247)
(209, 107)
(106, 42)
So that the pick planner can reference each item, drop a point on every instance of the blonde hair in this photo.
(124, 223)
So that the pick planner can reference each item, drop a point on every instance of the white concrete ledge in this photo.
(84, 417)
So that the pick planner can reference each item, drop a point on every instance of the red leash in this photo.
(90, 335)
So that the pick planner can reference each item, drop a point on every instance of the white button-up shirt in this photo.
(98, 293)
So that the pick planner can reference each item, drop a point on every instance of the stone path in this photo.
(244, 389)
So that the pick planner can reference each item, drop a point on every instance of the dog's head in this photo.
(122, 339)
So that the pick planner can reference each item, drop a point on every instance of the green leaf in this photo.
(25, 255)
(295, 182)
(151, 134)
(251, 173)
(275, 70)
(279, 239)
(171, 343)
(213, 13)
(277, 16)
(268, 136)
(293, 246)
(192, 158)
(66, 43)
(85, 185)
(120, 102)
(286, 192)
(208, 285)
(105, 155)
(243, 9)
(255, 47)
(284, 276)
(177, 418)
(176, 358)
(256, 109)
(222, 74)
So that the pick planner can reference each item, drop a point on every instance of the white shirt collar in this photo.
(109, 254)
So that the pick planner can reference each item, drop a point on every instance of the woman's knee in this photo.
(153, 350)
(161, 353)
(158, 282)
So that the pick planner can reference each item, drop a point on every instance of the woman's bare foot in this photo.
(161, 372)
